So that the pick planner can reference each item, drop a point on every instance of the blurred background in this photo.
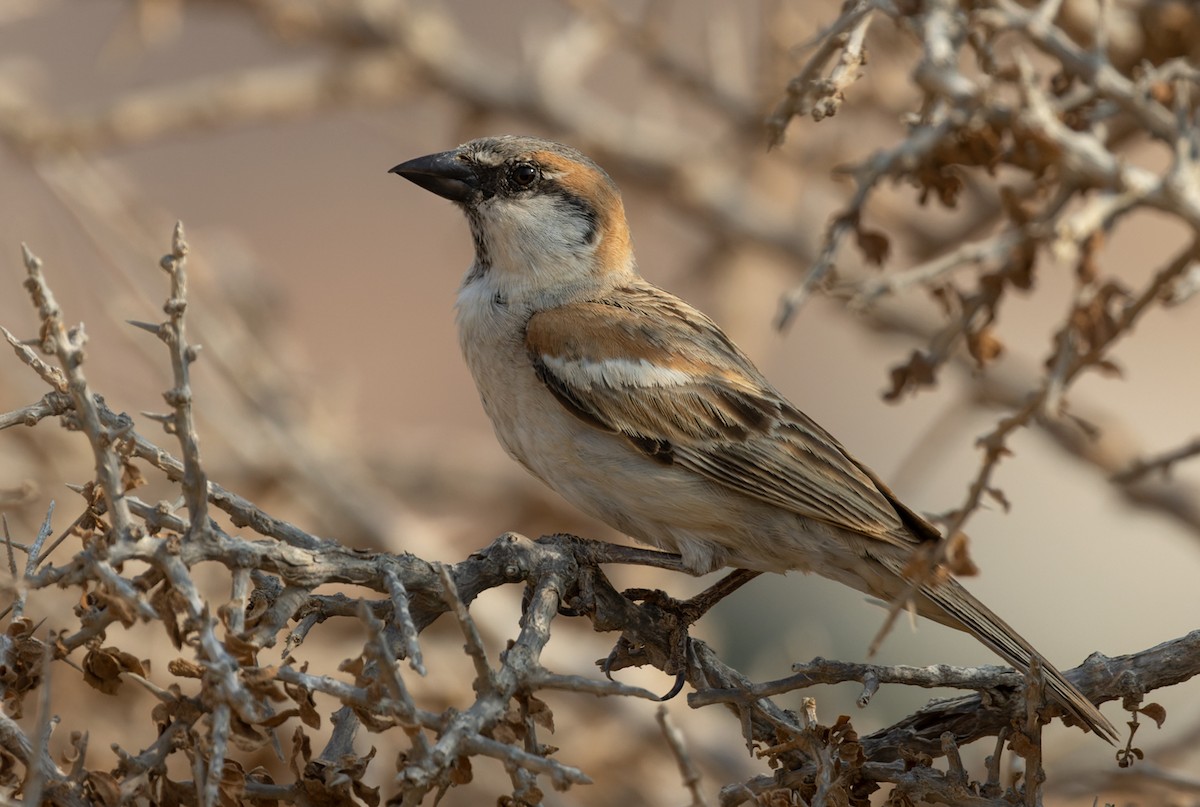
(330, 389)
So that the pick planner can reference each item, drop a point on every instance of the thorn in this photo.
(148, 327)
(32, 262)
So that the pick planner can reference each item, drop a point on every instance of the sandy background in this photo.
(353, 273)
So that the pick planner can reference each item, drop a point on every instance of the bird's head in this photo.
(542, 214)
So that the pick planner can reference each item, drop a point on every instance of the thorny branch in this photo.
(1162, 463)
(412, 594)
(691, 776)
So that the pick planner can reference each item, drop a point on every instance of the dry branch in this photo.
(412, 593)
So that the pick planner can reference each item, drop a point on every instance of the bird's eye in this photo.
(523, 174)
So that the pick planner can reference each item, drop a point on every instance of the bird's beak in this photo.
(444, 174)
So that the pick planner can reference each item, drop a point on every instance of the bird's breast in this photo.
(490, 333)
(582, 462)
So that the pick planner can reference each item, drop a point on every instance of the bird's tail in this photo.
(959, 609)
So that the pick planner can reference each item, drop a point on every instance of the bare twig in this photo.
(823, 671)
(174, 333)
(67, 346)
(687, 768)
(1160, 463)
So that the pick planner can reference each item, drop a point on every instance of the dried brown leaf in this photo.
(21, 670)
(875, 246)
(232, 786)
(261, 776)
(539, 710)
(958, 556)
(1021, 745)
(116, 604)
(278, 719)
(338, 782)
(168, 604)
(102, 668)
(947, 297)
(307, 706)
(983, 346)
(504, 733)
(1097, 320)
(185, 668)
(942, 181)
(301, 751)
(918, 371)
(368, 795)
(102, 789)
(1155, 712)
(12, 770)
(259, 604)
(1085, 268)
(245, 652)
(1019, 270)
(177, 794)
(374, 722)
(354, 666)
(245, 736)
(460, 772)
(184, 710)
(131, 475)
(1014, 206)
(991, 288)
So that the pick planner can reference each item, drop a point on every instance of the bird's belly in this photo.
(661, 504)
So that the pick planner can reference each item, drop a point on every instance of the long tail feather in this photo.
(960, 609)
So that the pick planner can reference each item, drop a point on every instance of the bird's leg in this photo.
(599, 552)
(582, 600)
(700, 605)
(682, 614)
(660, 609)
(690, 611)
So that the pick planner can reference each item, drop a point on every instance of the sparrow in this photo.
(640, 411)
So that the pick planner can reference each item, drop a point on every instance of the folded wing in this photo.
(660, 373)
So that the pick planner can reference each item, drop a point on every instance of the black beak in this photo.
(444, 174)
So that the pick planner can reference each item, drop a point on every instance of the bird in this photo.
(640, 411)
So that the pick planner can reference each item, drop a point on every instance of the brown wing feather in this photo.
(728, 424)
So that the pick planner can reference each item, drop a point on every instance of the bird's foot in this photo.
(674, 617)
(689, 612)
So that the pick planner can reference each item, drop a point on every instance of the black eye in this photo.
(523, 174)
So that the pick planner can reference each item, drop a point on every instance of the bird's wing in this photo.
(649, 367)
